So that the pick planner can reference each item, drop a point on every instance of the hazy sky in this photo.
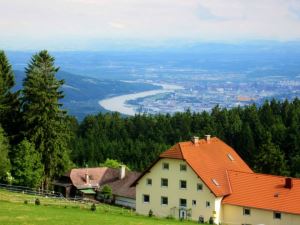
(94, 24)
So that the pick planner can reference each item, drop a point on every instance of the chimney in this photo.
(288, 183)
(87, 178)
(207, 138)
(122, 172)
(195, 140)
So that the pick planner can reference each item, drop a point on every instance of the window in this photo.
(182, 184)
(246, 212)
(215, 182)
(149, 181)
(277, 215)
(146, 198)
(230, 157)
(164, 182)
(207, 204)
(182, 202)
(194, 202)
(182, 167)
(165, 166)
(164, 200)
(199, 187)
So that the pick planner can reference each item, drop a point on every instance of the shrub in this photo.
(150, 214)
(106, 192)
(25, 202)
(37, 201)
(93, 207)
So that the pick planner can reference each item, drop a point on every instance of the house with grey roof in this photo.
(86, 182)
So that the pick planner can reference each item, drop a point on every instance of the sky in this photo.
(100, 24)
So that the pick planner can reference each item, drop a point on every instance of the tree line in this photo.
(267, 137)
(34, 130)
(39, 141)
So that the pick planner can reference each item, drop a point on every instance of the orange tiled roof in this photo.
(210, 161)
(263, 192)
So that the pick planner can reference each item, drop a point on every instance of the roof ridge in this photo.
(180, 149)
(84, 168)
(264, 174)
(229, 183)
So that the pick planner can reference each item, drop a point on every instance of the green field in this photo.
(57, 212)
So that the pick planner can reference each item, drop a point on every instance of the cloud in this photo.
(205, 14)
(81, 21)
(117, 25)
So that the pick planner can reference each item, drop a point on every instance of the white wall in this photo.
(173, 192)
(233, 215)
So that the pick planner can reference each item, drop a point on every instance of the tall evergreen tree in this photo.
(9, 103)
(45, 121)
(270, 158)
(4, 160)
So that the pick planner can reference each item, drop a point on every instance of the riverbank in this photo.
(119, 103)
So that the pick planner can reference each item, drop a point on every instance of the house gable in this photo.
(210, 160)
(181, 183)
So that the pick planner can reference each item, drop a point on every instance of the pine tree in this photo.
(9, 103)
(27, 168)
(4, 160)
(45, 121)
(270, 158)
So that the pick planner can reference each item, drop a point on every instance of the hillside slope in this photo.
(83, 93)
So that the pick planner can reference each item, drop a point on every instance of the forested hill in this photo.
(266, 137)
(81, 94)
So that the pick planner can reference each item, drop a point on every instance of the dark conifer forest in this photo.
(39, 141)
(266, 137)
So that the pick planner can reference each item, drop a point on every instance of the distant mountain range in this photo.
(83, 93)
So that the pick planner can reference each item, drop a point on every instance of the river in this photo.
(118, 103)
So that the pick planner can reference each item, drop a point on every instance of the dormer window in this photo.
(230, 157)
(215, 182)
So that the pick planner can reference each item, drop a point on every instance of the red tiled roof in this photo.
(174, 152)
(263, 192)
(209, 160)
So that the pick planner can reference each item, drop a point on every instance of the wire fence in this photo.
(31, 191)
(20, 194)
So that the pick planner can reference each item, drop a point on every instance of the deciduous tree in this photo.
(27, 167)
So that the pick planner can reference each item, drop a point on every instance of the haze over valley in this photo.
(208, 74)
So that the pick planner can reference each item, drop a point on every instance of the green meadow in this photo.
(13, 211)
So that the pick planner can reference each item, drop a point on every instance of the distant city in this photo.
(204, 92)
(202, 76)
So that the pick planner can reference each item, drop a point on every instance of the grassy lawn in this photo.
(53, 212)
